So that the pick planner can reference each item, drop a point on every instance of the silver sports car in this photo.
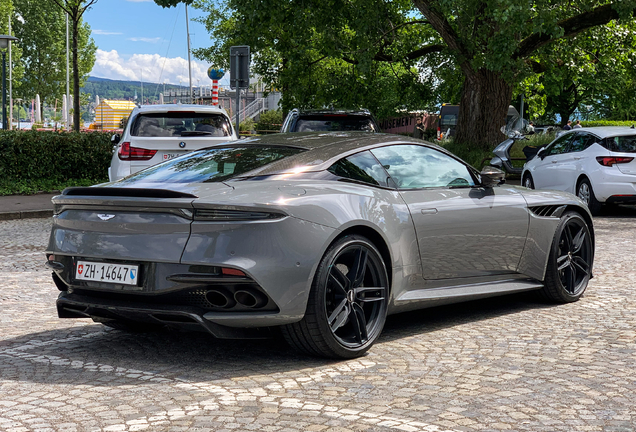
(318, 235)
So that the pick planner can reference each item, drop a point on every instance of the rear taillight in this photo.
(128, 152)
(222, 215)
(611, 161)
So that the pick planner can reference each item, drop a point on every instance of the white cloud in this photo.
(145, 39)
(105, 32)
(109, 64)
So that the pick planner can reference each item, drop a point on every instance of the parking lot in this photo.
(509, 363)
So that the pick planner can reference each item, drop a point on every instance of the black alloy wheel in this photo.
(347, 305)
(571, 257)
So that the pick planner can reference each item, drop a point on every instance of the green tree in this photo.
(7, 10)
(582, 74)
(75, 10)
(41, 27)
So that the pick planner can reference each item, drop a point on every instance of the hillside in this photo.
(114, 89)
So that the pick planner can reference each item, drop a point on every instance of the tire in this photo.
(585, 192)
(528, 182)
(347, 303)
(570, 262)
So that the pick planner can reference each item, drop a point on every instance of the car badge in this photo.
(182, 144)
(105, 217)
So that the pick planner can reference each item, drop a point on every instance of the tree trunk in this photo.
(483, 109)
(76, 78)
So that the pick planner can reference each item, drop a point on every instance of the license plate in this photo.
(168, 156)
(106, 272)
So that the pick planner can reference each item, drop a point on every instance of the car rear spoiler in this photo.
(125, 192)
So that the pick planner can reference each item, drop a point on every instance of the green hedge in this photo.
(595, 123)
(35, 156)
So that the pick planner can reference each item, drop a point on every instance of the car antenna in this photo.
(632, 127)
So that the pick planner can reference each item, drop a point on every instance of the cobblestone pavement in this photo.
(509, 363)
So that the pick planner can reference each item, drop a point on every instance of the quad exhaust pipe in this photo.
(250, 298)
(220, 298)
(246, 297)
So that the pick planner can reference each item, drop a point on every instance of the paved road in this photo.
(509, 363)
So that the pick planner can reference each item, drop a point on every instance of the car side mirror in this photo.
(541, 152)
(115, 138)
(491, 176)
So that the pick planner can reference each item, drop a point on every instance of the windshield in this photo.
(212, 165)
(335, 122)
(180, 123)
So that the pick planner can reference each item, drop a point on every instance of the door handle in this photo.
(577, 158)
(429, 211)
(554, 161)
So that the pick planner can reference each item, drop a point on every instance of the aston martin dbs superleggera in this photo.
(321, 235)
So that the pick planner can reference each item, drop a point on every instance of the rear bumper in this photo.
(612, 182)
(622, 199)
(71, 305)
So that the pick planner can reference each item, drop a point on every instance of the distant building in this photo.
(109, 113)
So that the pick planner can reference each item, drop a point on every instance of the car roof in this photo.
(321, 148)
(178, 107)
(607, 131)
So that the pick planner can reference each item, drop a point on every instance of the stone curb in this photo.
(26, 214)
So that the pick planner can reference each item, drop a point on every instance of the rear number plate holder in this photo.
(126, 274)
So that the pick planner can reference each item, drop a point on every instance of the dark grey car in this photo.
(299, 120)
(322, 235)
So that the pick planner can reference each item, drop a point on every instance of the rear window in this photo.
(624, 144)
(326, 123)
(180, 124)
(212, 165)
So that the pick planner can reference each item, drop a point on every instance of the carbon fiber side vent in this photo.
(554, 211)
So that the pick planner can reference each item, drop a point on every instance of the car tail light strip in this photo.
(219, 215)
(611, 161)
(128, 152)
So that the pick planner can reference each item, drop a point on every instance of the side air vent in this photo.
(554, 211)
(125, 192)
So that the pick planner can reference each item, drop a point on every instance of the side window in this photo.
(414, 167)
(581, 141)
(560, 145)
(361, 167)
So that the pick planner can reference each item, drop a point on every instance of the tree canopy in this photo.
(406, 53)
(41, 27)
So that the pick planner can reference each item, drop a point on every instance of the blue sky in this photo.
(138, 38)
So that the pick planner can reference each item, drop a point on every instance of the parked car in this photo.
(597, 164)
(156, 133)
(298, 120)
(321, 235)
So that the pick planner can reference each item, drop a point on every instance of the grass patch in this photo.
(30, 187)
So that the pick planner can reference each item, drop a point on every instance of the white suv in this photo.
(157, 133)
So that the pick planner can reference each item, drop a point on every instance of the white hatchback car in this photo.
(596, 164)
(156, 133)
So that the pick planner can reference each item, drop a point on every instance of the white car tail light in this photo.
(611, 160)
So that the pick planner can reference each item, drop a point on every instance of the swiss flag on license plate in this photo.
(80, 268)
